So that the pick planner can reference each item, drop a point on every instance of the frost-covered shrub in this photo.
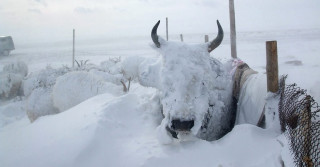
(65, 87)
(75, 87)
(121, 72)
(11, 79)
(45, 78)
(17, 67)
(37, 87)
(9, 85)
(130, 67)
(39, 103)
(112, 66)
(84, 65)
(107, 77)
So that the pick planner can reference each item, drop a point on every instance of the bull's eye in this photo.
(179, 125)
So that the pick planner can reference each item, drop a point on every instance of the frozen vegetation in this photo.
(82, 117)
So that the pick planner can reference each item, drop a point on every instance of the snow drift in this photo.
(120, 131)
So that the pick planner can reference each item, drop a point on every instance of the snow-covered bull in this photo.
(195, 89)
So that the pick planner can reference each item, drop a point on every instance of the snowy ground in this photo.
(120, 130)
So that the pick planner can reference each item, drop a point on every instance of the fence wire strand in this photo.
(299, 120)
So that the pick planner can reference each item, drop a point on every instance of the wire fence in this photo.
(299, 119)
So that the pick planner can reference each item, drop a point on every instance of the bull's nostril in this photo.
(179, 125)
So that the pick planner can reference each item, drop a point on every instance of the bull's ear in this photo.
(217, 41)
(154, 35)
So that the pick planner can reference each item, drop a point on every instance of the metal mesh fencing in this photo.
(299, 119)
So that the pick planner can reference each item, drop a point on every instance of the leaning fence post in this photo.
(181, 37)
(272, 66)
(206, 38)
(306, 120)
(233, 29)
(73, 48)
(167, 28)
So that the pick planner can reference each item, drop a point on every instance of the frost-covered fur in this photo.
(193, 86)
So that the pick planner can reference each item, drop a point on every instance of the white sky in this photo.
(52, 20)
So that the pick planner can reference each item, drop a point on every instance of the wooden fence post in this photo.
(306, 121)
(233, 29)
(181, 37)
(73, 49)
(167, 28)
(272, 75)
(272, 66)
(206, 38)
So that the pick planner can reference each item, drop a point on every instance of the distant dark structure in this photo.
(6, 45)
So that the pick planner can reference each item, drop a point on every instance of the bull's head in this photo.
(189, 83)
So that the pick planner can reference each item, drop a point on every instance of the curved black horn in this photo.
(154, 34)
(216, 42)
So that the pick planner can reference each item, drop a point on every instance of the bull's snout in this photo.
(178, 125)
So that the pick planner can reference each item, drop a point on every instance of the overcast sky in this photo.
(52, 20)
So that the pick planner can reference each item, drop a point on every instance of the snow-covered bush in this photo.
(75, 87)
(37, 87)
(9, 85)
(66, 87)
(39, 103)
(130, 67)
(17, 67)
(111, 66)
(121, 72)
(11, 79)
(45, 78)
(107, 77)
